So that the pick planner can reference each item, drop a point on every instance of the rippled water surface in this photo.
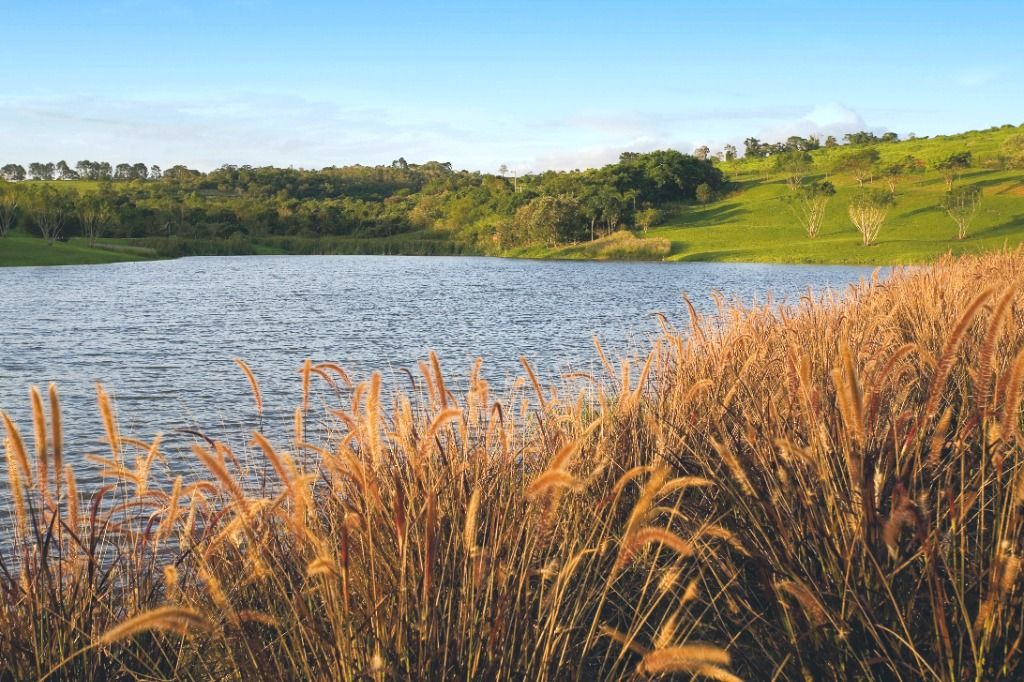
(161, 335)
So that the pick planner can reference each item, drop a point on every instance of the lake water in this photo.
(161, 335)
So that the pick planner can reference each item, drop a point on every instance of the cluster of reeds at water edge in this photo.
(833, 490)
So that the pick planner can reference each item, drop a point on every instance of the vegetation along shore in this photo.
(865, 199)
(829, 491)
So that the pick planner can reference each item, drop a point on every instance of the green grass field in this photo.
(22, 249)
(753, 222)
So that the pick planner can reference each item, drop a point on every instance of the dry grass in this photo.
(833, 491)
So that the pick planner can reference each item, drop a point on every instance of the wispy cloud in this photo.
(207, 132)
(976, 76)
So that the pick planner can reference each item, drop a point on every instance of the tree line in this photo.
(485, 212)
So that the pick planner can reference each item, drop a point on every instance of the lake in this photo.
(161, 335)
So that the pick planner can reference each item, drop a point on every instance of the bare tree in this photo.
(809, 205)
(962, 204)
(868, 211)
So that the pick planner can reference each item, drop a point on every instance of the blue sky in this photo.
(535, 85)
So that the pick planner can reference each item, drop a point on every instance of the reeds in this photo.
(830, 491)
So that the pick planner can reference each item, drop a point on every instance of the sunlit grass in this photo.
(832, 491)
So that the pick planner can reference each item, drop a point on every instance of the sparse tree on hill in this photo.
(895, 173)
(49, 209)
(809, 204)
(795, 165)
(702, 152)
(952, 166)
(962, 205)
(730, 152)
(868, 211)
(859, 163)
(831, 142)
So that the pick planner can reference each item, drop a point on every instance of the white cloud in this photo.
(822, 120)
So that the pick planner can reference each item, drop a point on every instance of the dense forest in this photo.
(475, 212)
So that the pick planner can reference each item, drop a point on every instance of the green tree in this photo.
(962, 204)
(703, 194)
(647, 218)
(550, 220)
(809, 204)
(868, 211)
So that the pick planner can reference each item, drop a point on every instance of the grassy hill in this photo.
(753, 223)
